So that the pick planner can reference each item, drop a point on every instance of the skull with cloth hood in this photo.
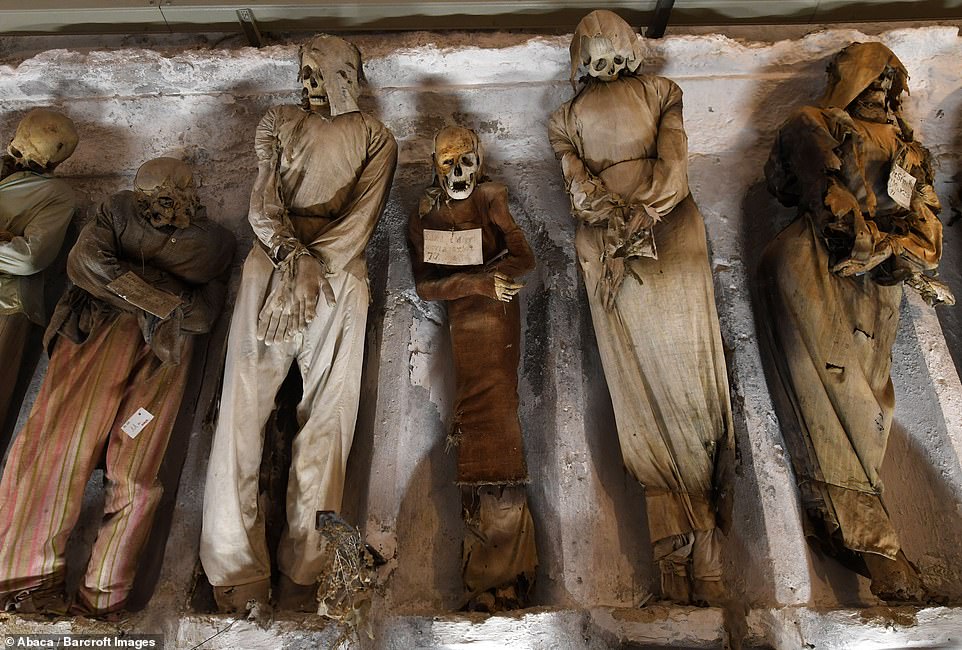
(331, 74)
(606, 46)
(43, 140)
(457, 161)
(166, 193)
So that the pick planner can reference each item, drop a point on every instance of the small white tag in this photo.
(136, 422)
(453, 248)
(901, 184)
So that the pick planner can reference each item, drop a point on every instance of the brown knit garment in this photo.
(485, 333)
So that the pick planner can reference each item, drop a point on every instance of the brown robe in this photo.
(485, 332)
(830, 337)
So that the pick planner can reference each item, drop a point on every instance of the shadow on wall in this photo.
(762, 219)
(919, 457)
(950, 268)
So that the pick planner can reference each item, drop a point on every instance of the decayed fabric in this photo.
(484, 319)
(623, 152)
(322, 185)
(35, 211)
(499, 555)
(486, 429)
(112, 360)
(831, 286)
(102, 383)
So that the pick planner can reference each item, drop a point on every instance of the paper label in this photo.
(136, 422)
(901, 184)
(132, 288)
(453, 248)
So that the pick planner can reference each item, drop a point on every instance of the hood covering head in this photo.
(605, 24)
(855, 68)
(331, 74)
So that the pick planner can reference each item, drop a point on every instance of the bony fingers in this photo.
(328, 293)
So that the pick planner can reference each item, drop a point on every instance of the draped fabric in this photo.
(322, 185)
(623, 149)
(830, 337)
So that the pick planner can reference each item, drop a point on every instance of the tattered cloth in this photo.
(187, 262)
(623, 143)
(485, 333)
(830, 337)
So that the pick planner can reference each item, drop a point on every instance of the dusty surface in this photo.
(203, 99)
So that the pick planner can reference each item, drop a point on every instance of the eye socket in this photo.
(619, 60)
(15, 152)
(447, 162)
(468, 161)
(601, 64)
(306, 72)
(166, 202)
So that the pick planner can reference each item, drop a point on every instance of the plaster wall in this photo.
(204, 102)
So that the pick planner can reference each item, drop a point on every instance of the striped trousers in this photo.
(89, 392)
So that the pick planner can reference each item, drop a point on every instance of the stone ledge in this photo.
(652, 627)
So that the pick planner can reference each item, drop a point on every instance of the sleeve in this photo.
(591, 201)
(37, 248)
(93, 262)
(434, 283)
(267, 215)
(203, 303)
(919, 244)
(669, 170)
(803, 160)
(347, 238)
(519, 259)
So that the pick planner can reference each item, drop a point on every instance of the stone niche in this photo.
(203, 99)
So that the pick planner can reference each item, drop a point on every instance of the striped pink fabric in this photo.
(91, 389)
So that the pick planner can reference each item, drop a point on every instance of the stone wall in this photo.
(204, 103)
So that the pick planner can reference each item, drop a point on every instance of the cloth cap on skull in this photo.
(340, 67)
(44, 137)
(610, 25)
(854, 69)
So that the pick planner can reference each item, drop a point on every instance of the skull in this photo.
(606, 46)
(43, 140)
(601, 60)
(330, 74)
(166, 193)
(457, 160)
(873, 102)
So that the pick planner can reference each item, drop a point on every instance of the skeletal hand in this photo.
(505, 287)
(309, 283)
(274, 320)
(292, 305)
(612, 277)
(643, 217)
(852, 266)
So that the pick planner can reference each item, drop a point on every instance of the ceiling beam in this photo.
(129, 16)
